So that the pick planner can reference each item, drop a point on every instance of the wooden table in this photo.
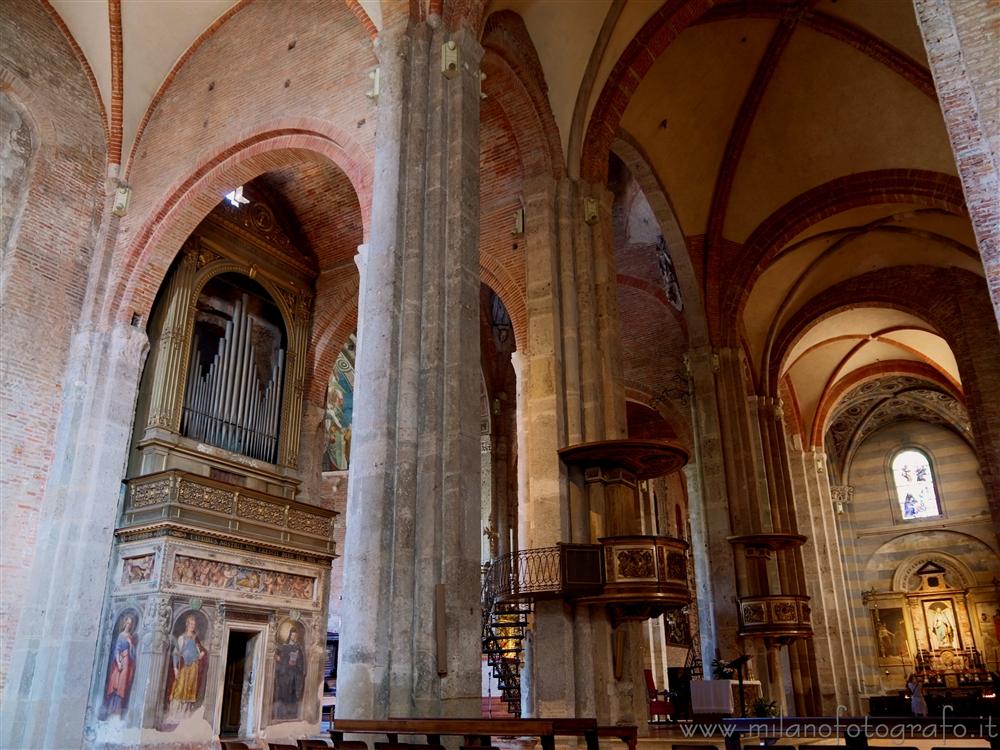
(476, 732)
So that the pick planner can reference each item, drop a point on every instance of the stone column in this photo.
(410, 640)
(45, 701)
(791, 575)
(710, 513)
(570, 391)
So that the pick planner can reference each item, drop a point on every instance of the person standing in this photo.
(918, 705)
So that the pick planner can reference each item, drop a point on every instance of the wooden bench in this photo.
(478, 733)
(856, 731)
(627, 733)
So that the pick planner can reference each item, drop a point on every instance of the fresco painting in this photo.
(289, 671)
(196, 571)
(187, 667)
(340, 409)
(121, 665)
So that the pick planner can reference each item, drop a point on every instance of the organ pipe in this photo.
(227, 405)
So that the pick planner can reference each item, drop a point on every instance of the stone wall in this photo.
(875, 546)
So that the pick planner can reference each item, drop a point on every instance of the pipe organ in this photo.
(226, 404)
(216, 533)
(222, 393)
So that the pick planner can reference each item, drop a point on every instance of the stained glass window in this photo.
(915, 489)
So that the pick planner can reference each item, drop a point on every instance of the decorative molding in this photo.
(874, 404)
(187, 501)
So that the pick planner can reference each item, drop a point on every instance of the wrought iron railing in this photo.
(524, 574)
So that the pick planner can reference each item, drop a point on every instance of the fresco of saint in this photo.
(289, 675)
(122, 666)
(187, 669)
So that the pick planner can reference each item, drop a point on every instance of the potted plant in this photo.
(763, 708)
(721, 670)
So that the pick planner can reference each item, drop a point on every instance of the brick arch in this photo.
(404, 11)
(840, 297)
(144, 262)
(181, 61)
(511, 294)
(331, 327)
(830, 399)
(363, 18)
(632, 156)
(519, 141)
(506, 37)
(740, 268)
(658, 33)
(956, 303)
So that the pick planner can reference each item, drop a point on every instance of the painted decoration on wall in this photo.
(121, 665)
(915, 491)
(196, 571)
(668, 275)
(340, 409)
(942, 628)
(989, 628)
(187, 667)
(289, 671)
(137, 569)
(890, 633)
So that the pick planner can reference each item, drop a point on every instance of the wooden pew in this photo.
(629, 734)
(476, 732)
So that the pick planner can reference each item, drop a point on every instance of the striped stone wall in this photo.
(876, 541)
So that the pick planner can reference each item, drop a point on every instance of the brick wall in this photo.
(265, 89)
(961, 38)
(45, 272)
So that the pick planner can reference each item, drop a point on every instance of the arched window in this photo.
(915, 491)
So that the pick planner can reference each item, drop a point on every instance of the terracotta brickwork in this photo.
(189, 144)
(961, 37)
(45, 273)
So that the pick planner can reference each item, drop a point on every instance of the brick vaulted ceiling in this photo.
(798, 144)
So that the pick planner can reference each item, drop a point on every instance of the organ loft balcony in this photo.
(180, 504)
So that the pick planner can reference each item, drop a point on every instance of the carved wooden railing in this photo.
(779, 616)
(199, 505)
(644, 575)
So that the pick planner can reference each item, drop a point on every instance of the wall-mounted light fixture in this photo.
(449, 59)
(518, 222)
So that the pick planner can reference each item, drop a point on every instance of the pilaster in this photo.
(54, 651)
(817, 509)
